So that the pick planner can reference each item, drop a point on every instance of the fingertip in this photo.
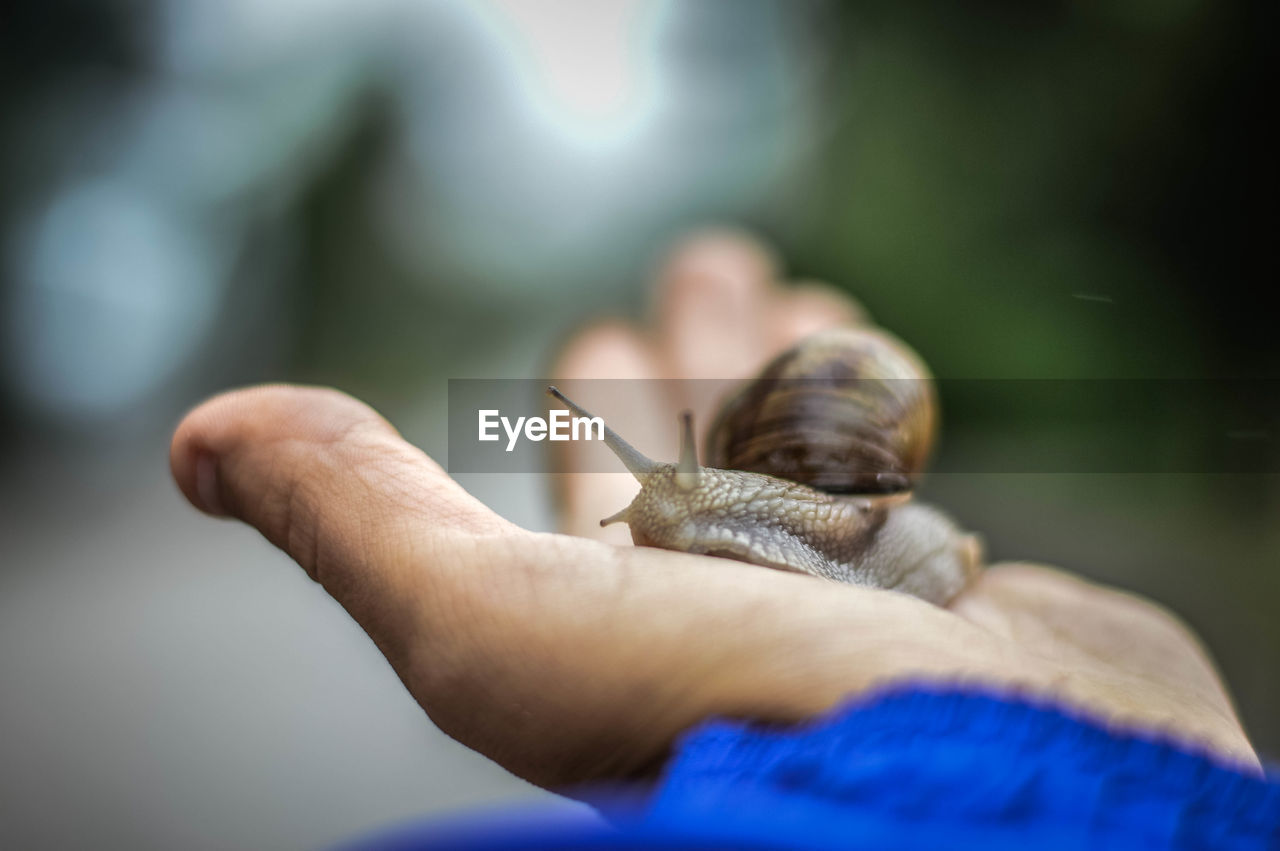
(182, 464)
(717, 274)
(712, 303)
(193, 463)
(720, 253)
(257, 415)
(608, 349)
(809, 307)
(206, 485)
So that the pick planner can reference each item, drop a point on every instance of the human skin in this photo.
(576, 657)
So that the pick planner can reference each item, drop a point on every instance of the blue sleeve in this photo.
(914, 768)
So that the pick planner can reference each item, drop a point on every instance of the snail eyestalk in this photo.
(622, 516)
(687, 469)
(632, 458)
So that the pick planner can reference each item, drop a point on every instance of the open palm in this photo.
(575, 657)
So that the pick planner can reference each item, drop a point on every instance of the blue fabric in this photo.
(913, 768)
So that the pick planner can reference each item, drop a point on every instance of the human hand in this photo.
(567, 659)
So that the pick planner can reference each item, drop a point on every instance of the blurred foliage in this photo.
(989, 163)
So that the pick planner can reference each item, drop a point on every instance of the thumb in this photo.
(329, 481)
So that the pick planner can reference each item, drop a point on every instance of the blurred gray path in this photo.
(171, 681)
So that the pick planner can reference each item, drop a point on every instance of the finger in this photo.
(1066, 616)
(713, 302)
(1119, 637)
(806, 308)
(327, 480)
(611, 371)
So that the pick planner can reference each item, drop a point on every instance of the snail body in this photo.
(824, 446)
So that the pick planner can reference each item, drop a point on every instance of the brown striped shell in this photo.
(850, 410)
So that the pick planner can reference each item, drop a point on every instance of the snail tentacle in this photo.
(640, 465)
(687, 469)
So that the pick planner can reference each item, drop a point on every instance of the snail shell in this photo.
(850, 410)
(809, 470)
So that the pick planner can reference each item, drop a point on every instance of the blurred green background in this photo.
(385, 195)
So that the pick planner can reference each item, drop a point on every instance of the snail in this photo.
(809, 468)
